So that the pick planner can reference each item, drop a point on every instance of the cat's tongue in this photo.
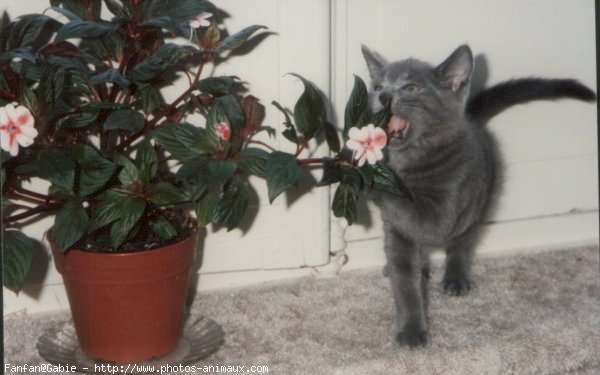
(397, 126)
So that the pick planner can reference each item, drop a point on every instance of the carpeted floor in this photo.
(534, 314)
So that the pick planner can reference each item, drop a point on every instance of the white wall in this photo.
(551, 194)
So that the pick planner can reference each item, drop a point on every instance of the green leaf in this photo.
(110, 75)
(192, 191)
(17, 251)
(167, 55)
(51, 165)
(95, 170)
(253, 161)
(24, 53)
(222, 170)
(367, 173)
(332, 172)
(309, 111)
(290, 132)
(164, 228)
(29, 99)
(68, 14)
(290, 135)
(184, 141)
(130, 213)
(79, 7)
(217, 85)
(231, 208)
(129, 175)
(146, 160)
(180, 10)
(205, 208)
(282, 171)
(126, 119)
(387, 181)
(235, 40)
(216, 115)
(4, 156)
(331, 135)
(107, 210)
(29, 27)
(56, 167)
(82, 29)
(150, 99)
(232, 109)
(51, 86)
(164, 193)
(356, 105)
(70, 224)
(344, 203)
(194, 170)
(116, 7)
(79, 120)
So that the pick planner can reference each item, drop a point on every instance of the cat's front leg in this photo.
(459, 256)
(404, 266)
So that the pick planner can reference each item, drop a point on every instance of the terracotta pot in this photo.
(128, 307)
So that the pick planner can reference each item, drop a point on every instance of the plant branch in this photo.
(181, 97)
(29, 195)
(32, 212)
(310, 161)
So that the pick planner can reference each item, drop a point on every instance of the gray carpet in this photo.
(534, 314)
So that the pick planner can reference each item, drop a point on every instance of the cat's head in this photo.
(427, 102)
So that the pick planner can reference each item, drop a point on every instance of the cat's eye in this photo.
(378, 88)
(411, 87)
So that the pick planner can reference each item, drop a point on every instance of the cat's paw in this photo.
(413, 338)
(456, 286)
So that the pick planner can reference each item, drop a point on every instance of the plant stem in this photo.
(30, 195)
(32, 212)
(181, 97)
(310, 161)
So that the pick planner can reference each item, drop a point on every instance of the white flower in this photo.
(200, 20)
(367, 143)
(16, 128)
(223, 131)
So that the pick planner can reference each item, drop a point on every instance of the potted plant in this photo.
(130, 181)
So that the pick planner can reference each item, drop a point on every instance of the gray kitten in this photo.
(440, 149)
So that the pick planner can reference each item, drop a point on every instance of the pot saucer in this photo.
(201, 337)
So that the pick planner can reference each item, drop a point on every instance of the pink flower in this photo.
(367, 143)
(16, 128)
(223, 131)
(200, 20)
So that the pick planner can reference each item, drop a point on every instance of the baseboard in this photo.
(500, 239)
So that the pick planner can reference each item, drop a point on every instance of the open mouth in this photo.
(398, 127)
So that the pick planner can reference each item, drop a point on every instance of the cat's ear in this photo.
(456, 70)
(375, 62)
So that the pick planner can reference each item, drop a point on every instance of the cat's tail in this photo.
(496, 99)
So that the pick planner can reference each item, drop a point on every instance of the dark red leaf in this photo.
(254, 113)
(63, 48)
